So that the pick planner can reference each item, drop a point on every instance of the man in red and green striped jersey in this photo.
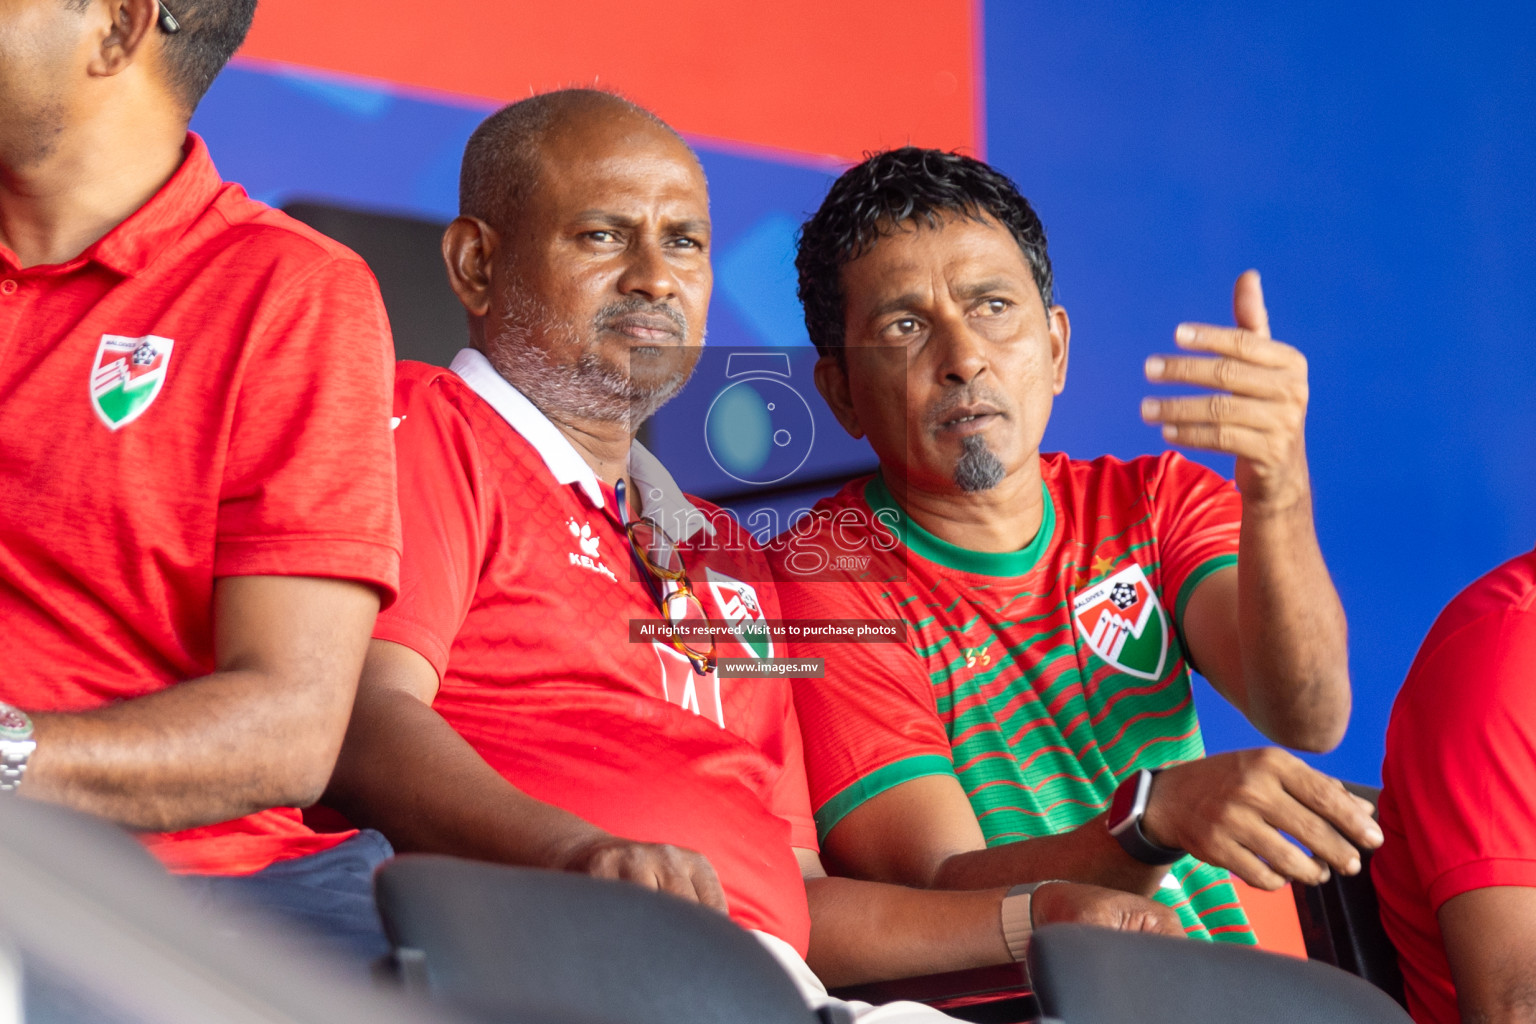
(1037, 721)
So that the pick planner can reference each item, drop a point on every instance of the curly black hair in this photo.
(888, 189)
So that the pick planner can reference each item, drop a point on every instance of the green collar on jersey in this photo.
(952, 556)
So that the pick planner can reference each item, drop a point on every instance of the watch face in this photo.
(1123, 803)
(14, 725)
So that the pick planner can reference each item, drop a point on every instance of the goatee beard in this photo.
(978, 469)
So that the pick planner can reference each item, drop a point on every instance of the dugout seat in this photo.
(1085, 975)
(1341, 922)
(94, 931)
(501, 943)
(405, 255)
(506, 944)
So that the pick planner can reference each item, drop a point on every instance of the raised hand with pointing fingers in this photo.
(1259, 410)
(1270, 636)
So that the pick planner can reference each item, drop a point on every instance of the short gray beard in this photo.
(978, 469)
(586, 389)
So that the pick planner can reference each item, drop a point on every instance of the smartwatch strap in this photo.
(1128, 833)
(1018, 917)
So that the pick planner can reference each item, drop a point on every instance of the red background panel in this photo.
(823, 77)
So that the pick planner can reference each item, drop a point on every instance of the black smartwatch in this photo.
(1125, 813)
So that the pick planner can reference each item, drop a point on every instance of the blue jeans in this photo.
(328, 895)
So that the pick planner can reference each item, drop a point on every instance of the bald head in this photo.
(504, 157)
(582, 255)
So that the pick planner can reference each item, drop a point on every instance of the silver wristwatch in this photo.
(16, 746)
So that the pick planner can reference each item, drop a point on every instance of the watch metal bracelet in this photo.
(16, 746)
(12, 768)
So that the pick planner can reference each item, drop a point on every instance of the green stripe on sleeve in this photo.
(1193, 580)
(875, 783)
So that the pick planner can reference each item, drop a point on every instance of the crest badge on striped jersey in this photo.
(1123, 622)
(127, 377)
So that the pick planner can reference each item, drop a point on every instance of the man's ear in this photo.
(1061, 341)
(469, 253)
(122, 30)
(832, 381)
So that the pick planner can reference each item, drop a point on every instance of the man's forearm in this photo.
(260, 732)
(1490, 945)
(1086, 854)
(869, 931)
(437, 794)
(1279, 655)
(1295, 658)
(204, 751)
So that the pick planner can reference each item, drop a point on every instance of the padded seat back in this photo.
(517, 944)
(102, 933)
(1341, 922)
(1086, 975)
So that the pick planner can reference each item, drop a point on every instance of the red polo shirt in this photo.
(1458, 798)
(202, 393)
(517, 586)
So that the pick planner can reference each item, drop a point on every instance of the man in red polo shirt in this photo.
(1457, 873)
(197, 519)
(513, 705)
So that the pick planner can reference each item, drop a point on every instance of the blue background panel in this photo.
(1374, 162)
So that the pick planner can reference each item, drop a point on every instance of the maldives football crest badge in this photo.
(127, 377)
(743, 613)
(1124, 623)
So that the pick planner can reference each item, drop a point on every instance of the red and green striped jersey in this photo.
(1039, 678)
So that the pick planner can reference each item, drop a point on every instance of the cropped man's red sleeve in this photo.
(309, 482)
(871, 723)
(444, 519)
(1197, 517)
(1461, 758)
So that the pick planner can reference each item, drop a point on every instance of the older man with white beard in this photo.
(504, 713)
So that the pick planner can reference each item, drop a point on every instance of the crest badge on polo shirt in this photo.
(743, 612)
(127, 377)
(1123, 623)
